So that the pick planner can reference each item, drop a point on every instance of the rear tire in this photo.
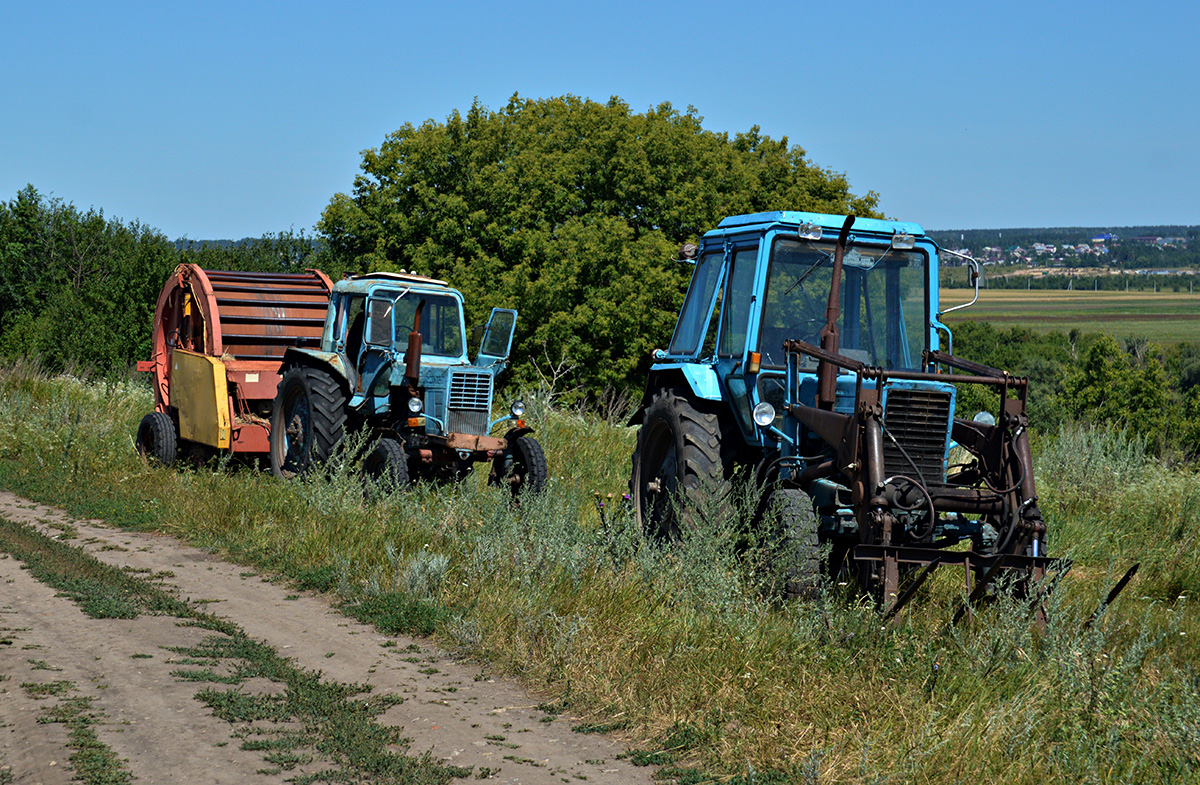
(308, 421)
(676, 464)
(156, 438)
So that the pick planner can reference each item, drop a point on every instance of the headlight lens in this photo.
(415, 405)
(517, 408)
(810, 231)
(764, 414)
(984, 418)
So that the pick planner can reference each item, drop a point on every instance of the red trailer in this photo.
(219, 339)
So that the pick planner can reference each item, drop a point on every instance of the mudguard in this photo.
(330, 361)
(698, 378)
(516, 433)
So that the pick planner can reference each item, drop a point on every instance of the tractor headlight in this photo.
(984, 418)
(415, 405)
(903, 242)
(764, 414)
(517, 409)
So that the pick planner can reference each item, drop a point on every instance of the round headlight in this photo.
(517, 408)
(764, 414)
(414, 405)
(984, 418)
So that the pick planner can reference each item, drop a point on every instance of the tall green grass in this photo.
(685, 650)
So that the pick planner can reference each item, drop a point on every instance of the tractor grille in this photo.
(470, 403)
(919, 421)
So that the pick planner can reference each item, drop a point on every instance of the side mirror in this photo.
(974, 276)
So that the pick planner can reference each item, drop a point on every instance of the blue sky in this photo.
(226, 120)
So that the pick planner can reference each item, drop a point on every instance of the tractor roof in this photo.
(363, 283)
(403, 276)
(831, 223)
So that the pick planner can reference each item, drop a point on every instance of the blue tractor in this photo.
(393, 362)
(809, 354)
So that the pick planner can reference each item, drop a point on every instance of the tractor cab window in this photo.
(697, 306)
(441, 323)
(380, 321)
(882, 309)
(353, 309)
(739, 292)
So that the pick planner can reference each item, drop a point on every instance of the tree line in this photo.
(1004, 238)
(567, 209)
(79, 289)
(1117, 282)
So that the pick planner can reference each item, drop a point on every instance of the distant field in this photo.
(1163, 317)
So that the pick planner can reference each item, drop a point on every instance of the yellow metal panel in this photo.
(199, 392)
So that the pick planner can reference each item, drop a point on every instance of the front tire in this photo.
(522, 467)
(386, 464)
(797, 542)
(676, 463)
(156, 438)
(308, 421)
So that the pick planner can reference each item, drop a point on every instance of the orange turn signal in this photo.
(755, 360)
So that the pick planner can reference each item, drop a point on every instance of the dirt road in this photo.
(149, 716)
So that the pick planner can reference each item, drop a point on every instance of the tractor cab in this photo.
(764, 279)
(402, 336)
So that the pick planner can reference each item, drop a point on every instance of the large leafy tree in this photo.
(572, 211)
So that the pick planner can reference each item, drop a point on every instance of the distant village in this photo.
(1103, 253)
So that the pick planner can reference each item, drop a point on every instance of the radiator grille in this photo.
(919, 420)
(470, 403)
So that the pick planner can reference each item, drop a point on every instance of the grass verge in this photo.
(688, 640)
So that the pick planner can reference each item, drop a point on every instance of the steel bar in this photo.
(911, 589)
(916, 555)
(1112, 595)
(980, 589)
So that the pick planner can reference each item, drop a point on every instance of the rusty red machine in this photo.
(218, 344)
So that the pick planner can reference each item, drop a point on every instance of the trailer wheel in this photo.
(308, 421)
(797, 545)
(676, 463)
(522, 467)
(386, 465)
(156, 438)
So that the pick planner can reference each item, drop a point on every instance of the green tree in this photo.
(570, 210)
(77, 287)
(1042, 357)
(1128, 389)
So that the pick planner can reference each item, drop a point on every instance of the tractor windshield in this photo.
(441, 323)
(882, 310)
(693, 319)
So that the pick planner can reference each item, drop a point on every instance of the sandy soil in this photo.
(152, 720)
